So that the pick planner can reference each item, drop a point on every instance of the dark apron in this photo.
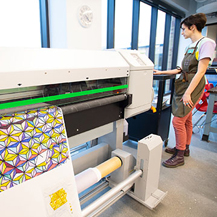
(189, 69)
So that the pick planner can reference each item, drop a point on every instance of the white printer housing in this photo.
(140, 82)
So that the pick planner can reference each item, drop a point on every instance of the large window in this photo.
(123, 23)
(159, 40)
(157, 30)
(20, 23)
(144, 27)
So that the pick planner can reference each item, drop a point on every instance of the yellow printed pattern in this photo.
(58, 199)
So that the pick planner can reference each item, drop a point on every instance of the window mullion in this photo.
(166, 41)
(44, 22)
(110, 24)
(135, 24)
(175, 42)
(153, 32)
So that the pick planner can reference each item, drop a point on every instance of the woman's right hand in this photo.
(157, 72)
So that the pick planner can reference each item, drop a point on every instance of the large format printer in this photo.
(52, 102)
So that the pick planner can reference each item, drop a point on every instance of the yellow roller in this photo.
(109, 166)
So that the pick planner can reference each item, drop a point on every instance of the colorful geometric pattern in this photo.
(31, 143)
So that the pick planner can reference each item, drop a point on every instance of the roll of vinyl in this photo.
(91, 176)
(109, 166)
(87, 178)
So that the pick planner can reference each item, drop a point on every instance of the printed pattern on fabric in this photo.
(31, 143)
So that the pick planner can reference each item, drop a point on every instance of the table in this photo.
(209, 114)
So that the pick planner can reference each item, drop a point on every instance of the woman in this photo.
(189, 86)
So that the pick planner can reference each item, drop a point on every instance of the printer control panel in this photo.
(138, 59)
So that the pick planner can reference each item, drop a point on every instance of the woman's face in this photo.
(186, 32)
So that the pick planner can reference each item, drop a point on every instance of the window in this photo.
(149, 21)
(20, 23)
(171, 40)
(144, 22)
(144, 27)
(159, 40)
(123, 23)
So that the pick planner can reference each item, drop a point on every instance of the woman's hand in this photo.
(186, 99)
(157, 72)
(167, 72)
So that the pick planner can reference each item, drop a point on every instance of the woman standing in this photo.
(189, 86)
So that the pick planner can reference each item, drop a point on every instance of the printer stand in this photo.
(157, 123)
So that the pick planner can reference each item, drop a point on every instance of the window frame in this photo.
(44, 23)
(135, 25)
(110, 23)
(156, 5)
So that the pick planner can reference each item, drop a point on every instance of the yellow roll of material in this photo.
(109, 166)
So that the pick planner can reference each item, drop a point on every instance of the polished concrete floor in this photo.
(192, 188)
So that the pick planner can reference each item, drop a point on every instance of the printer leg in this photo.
(149, 161)
(115, 138)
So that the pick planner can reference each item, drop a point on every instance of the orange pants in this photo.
(183, 129)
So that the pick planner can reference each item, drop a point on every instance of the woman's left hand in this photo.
(186, 99)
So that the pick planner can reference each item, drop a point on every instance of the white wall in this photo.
(65, 29)
(20, 23)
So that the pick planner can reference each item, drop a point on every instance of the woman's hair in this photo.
(199, 20)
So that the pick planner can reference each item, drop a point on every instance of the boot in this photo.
(172, 151)
(187, 151)
(176, 160)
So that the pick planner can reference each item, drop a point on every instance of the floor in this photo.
(192, 188)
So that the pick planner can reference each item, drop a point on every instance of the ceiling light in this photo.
(208, 8)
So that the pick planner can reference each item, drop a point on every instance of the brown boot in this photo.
(187, 151)
(176, 160)
(173, 150)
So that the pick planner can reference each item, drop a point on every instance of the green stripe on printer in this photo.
(58, 97)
